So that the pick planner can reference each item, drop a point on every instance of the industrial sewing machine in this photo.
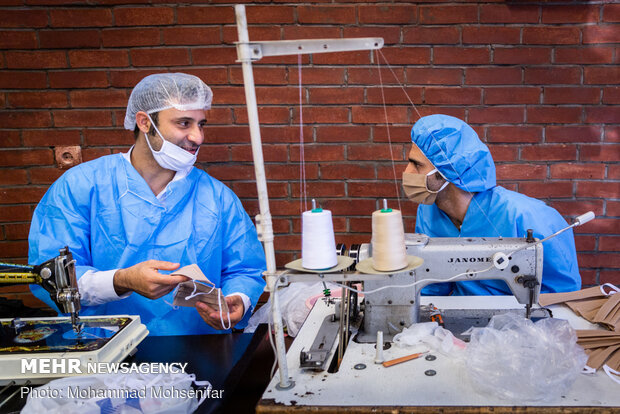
(35, 350)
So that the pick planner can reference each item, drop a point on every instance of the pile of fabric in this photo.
(601, 305)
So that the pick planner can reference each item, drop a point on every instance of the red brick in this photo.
(390, 34)
(567, 95)
(262, 76)
(362, 57)
(332, 96)
(448, 14)
(604, 75)
(611, 95)
(18, 231)
(373, 152)
(20, 195)
(614, 171)
(89, 154)
(600, 34)
(160, 57)
(275, 190)
(553, 189)
(370, 189)
(461, 55)
(310, 32)
(317, 76)
(599, 225)
(406, 55)
(13, 176)
(38, 99)
(431, 35)
(131, 37)
(572, 133)
(10, 139)
(605, 152)
(504, 152)
(231, 172)
(598, 259)
(290, 172)
(325, 14)
(521, 172)
(613, 208)
(347, 171)
(271, 153)
(360, 225)
(347, 208)
(603, 114)
(13, 249)
(513, 95)
(598, 189)
(45, 175)
(353, 133)
(21, 119)
(81, 17)
(108, 98)
(211, 76)
(551, 115)
(143, 16)
(129, 78)
(609, 243)
(491, 35)
(394, 95)
(549, 153)
(107, 137)
(23, 18)
(420, 111)
(14, 213)
(611, 13)
(582, 243)
(453, 96)
(504, 115)
(323, 114)
(192, 36)
(392, 14)
(321, 152)
(270, 14)
(521, 55)
(371, 115)
(570, 14)
(52, 137)
(434, 76)
(22, 80)
(75, 118)
(578, 171)
(509, 13)
(266, 115)
(491, 76)
(610, 276)
(69, 39)
(229, 33)
(584, 55)
(549, 35)
(205, 14)
(214, 153)
(10, 39)
(321, 189)
(36, 60)
(212, 56)
(98, 58)
(78, 79)
(398, 134)
(370, 76)
(612, 134)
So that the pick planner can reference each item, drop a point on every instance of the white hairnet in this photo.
(167, 90)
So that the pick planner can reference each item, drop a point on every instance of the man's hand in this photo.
(212, 317)
(144, 279)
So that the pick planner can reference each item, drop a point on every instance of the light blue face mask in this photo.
(170, 156)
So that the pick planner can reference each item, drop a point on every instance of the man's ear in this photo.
(143, 122)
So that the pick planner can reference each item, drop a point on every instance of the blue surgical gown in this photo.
(511, 214)
(109, 217)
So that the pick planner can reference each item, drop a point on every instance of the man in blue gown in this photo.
(131, 218)
(452, 175)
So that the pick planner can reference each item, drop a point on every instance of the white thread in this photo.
(612, 373)
(302, 160)
(388, 241)
(318, 244)
(442, 152)
(219, 302)
(613, 288)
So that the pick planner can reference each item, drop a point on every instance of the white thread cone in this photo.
(318, 245)
(388, 241)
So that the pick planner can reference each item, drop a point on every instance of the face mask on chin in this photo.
(170, 156)
(416, 188)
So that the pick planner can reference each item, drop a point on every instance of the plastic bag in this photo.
(431, 334)
(517, 359)
(118, 393)
(293, 306)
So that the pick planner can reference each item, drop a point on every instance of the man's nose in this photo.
(410, 169)
(196, 135)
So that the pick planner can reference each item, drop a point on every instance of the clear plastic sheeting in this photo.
(517, 359)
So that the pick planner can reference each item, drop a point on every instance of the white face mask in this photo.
(170, 156)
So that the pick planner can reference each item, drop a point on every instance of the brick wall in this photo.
(538, 82)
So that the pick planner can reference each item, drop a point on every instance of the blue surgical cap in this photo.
(456, 151)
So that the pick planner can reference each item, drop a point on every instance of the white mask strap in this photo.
(433, 171)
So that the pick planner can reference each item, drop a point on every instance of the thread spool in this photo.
(318, 245)
(388, 240)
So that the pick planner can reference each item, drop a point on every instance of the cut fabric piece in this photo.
(199, 289)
